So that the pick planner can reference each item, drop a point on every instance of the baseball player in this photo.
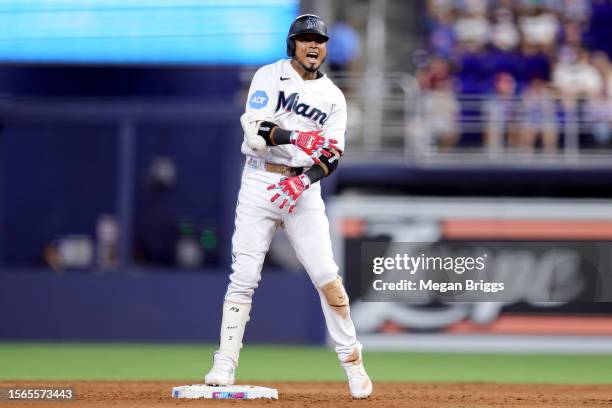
(294, 126)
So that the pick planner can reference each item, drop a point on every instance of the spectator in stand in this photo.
(442, 38)
(601, 62)
(536, 63)
(539, 27)
(472, 26)
(538, 117)
(500, 113)
(504, 54)
(473, 72)
(529, 42)
(343, 47)
(571, 38)
(344, 50)
(599, 26)
(576, 81)
(438, 119)
(599, 108)
(504, 33)
(575, 78)
(576, 10)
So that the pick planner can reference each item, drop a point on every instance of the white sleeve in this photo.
(335, 126)
(262, 93)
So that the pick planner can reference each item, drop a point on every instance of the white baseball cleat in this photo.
(222, 371)
(360, 384)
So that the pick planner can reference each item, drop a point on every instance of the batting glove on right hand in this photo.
(313, 144)
(290, 189)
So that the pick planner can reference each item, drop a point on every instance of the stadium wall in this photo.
(156, 306)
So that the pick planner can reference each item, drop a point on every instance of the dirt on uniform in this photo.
(131, 394)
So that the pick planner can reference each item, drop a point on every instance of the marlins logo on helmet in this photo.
(312, 23)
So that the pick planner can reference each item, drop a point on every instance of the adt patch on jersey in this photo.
(258, 100)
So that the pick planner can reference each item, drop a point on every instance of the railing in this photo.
(400, 122)
(391, 119)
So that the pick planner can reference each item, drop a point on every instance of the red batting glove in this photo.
(312, 143)
(290, 189)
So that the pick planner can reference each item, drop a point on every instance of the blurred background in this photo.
(120, 163)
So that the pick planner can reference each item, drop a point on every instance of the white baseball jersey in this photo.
(279, 92)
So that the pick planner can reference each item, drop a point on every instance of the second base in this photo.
(229, 392)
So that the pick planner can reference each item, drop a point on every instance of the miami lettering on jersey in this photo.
(290, 104)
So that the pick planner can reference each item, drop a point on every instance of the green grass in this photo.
(68, 361)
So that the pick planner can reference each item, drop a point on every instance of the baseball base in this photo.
(229, 392)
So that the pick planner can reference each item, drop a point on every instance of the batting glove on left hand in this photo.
(313, 144)
(290, 189)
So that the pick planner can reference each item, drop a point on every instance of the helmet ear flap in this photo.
(290, 47)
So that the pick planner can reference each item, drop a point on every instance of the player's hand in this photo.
(313, 144)
(289, 190)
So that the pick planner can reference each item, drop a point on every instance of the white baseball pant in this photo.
(307, 229)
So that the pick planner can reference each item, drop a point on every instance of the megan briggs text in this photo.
(442, 287)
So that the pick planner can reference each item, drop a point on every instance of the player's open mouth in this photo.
(312, 57)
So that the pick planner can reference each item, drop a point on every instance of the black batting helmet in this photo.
(305, 24)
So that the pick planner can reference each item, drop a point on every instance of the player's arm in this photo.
(289, 189)
(258, 107)
(274, 135)
(326, 166)
(260, 132)
(311, 142)
(329, 156)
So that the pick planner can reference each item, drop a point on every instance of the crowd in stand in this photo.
(541, 64)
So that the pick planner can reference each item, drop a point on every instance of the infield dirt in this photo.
(128, 394)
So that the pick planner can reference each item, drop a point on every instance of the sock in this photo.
(235, 318)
